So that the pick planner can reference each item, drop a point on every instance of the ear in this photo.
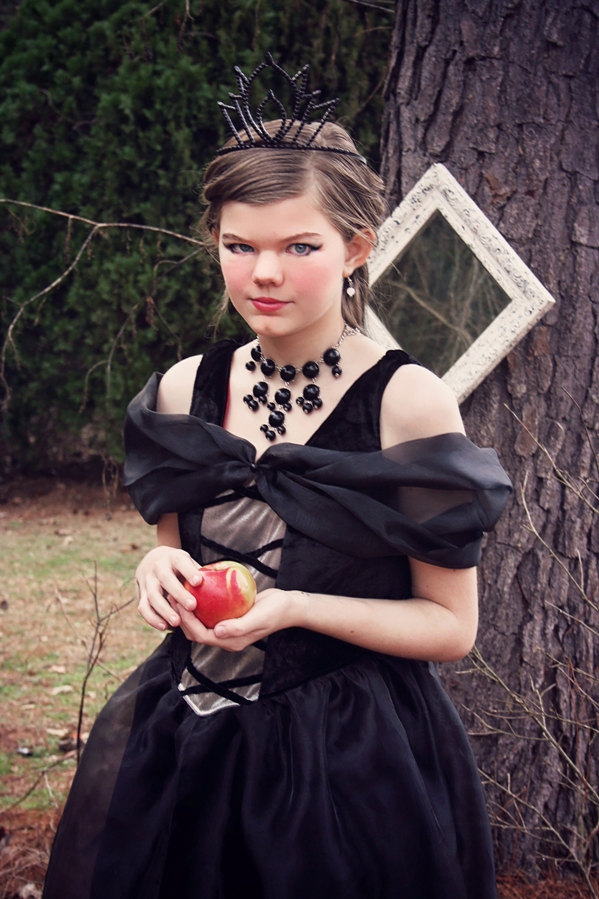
(358, 250)
(215, 236)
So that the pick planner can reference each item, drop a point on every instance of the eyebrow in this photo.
(294, 238)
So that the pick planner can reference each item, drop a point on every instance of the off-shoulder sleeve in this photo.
(431, 499)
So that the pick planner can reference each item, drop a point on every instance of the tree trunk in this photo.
(505, 94)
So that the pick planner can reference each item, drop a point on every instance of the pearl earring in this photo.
(350, 289)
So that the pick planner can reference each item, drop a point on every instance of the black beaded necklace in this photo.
(310, 398)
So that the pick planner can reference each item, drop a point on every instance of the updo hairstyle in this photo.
(348, 193)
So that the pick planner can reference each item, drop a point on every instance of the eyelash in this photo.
(236, 248)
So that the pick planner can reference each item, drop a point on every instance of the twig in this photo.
(389, 8)
(102, 225)
(96, 228)
(101, 624)
(42, 774)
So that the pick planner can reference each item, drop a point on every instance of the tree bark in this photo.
(505, 94)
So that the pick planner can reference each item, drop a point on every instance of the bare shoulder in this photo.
(176, 387)
(416, 403)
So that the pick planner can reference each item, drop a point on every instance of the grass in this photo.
(53, 549)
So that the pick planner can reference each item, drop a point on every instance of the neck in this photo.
(296, 349)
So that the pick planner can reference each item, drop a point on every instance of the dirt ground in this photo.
(68, 552)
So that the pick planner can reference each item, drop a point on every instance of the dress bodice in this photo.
(213, 531)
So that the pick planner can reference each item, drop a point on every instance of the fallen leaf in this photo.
(26, 751)
(66, 688)
(28, 706)
(57, 732)
(61, 532)
(57, 669)
(30, 891)
(67, 540)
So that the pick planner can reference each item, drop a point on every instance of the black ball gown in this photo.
(304, 767)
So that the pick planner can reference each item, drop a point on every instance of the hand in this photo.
(161, 593)
(273, 610)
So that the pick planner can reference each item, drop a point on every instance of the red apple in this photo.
(227, 590)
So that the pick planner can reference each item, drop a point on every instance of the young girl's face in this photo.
(284, 265)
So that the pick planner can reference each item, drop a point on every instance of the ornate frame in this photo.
(438, 191)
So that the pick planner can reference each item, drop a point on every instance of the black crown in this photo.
(291, 134)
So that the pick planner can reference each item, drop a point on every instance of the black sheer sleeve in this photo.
(431, 499)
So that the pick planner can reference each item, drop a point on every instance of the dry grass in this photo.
(54, 537)
(51, 546)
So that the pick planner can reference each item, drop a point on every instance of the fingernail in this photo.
(220, 630)
(174, 620)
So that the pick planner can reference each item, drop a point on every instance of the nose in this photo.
(268, 269)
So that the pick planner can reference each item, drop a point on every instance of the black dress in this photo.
(312, 769)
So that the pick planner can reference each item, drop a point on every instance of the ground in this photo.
(69, 552)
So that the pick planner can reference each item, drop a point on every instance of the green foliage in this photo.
(108, 111)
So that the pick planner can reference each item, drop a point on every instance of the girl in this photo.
(307, 748)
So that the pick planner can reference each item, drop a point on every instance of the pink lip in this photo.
(268, 304)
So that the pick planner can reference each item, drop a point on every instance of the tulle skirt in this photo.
(358, 784)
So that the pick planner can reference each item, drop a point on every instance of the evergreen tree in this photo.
(108, 111)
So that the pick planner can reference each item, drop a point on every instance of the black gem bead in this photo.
(300, 401)
(247, 398)
(336, 371)
(253, 404)
(262, 399)
(287, 407)
(251, 366)
(317, 403)
(311, 391)
(271, 406)
(260, 389)
(307, 407)
(311, 370)
(276, 419)
(256, 353)
(270, 435)
(264, 428)
(281, 430)
(268, 368)
(331, 356)
(282, 396)
(288, 373)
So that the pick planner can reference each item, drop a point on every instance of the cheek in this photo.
(236, 271)
(318, 277)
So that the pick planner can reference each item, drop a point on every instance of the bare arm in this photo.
(158, 572)
(438, 623)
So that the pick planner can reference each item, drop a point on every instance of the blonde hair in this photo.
(347, 191)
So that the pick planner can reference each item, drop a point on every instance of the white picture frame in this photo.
(439, 192)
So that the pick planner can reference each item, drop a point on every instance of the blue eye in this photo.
(303, 249)
(239, 248)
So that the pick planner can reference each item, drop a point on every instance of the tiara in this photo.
(303, 105)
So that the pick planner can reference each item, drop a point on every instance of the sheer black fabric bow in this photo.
(430, 499)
